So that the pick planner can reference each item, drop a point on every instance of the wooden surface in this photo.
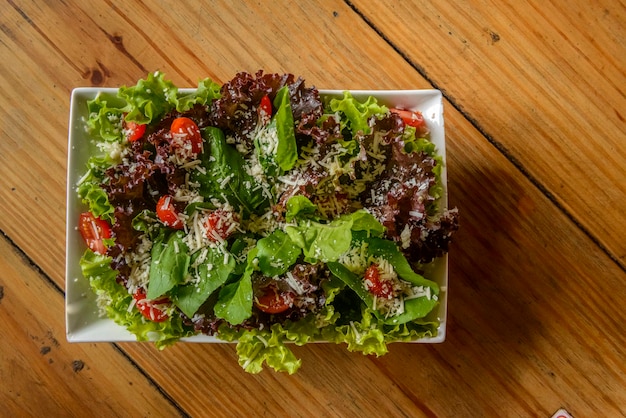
(535, 109)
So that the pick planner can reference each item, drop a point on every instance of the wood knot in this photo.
(96, 78)
(97, 75)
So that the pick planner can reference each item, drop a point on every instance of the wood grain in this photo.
(535, 129)
(561, 83)
(43, 375)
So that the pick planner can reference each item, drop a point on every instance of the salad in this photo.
(261, 212)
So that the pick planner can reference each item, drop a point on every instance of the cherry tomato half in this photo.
(218, 225)
(151, 309)
(265, 110)
(167, 213)
(187, 130)
(376, 285)
(414, 119)
(94, 230)
(273, 301)
(134, 131)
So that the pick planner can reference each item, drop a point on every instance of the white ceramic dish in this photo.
(83, 323)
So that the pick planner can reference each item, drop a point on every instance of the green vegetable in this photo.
(206, 92)
(209, 276)
(235, 299)
(388, 250)
(357, 113)
(286, 151)
(149, 99)
(226, 177)
(102, 279)
(276, 253)
(105, 117)
(328, 241)
(299, 206)
(97, 200)
(323, 242)
(378, 247)
(170, 262)
(366, 222)
(256, 347)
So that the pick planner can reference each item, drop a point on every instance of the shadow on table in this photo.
(495, 261)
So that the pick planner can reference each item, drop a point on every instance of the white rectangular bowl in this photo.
(83, 323)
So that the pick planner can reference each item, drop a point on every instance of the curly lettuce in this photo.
(117, 300)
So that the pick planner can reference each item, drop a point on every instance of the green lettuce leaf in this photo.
(96, 198)
(323, 242)
(364, 336)
(357, 113)
(258, 347)
(276, 253)
(102, 279)
(299, 207)
(149, 99)
(206, 92)
(366, 222)
(106, 113)
(328, 241)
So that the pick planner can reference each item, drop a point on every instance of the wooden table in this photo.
(535, 107)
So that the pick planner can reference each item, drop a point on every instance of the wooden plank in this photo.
(529, 291)
(43, 375)
(530, 329)
(543, 86)
(46, 63)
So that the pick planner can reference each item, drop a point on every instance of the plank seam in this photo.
(162, 391)
(497, 145)
(31, 263)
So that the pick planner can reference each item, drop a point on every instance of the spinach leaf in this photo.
(234, 302)
(378, 247)
(352, 280)
(413, 308)
(170, 262)
(210, 275)
(226, 176)
(287, 151)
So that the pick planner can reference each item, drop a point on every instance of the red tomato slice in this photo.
(272, 301)
(265, 110)
(218, 225)
(410, 118)
(377, 286)
(134, 131)
(151, 309)
(188, 132)
(94, 230)
(167, 213)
